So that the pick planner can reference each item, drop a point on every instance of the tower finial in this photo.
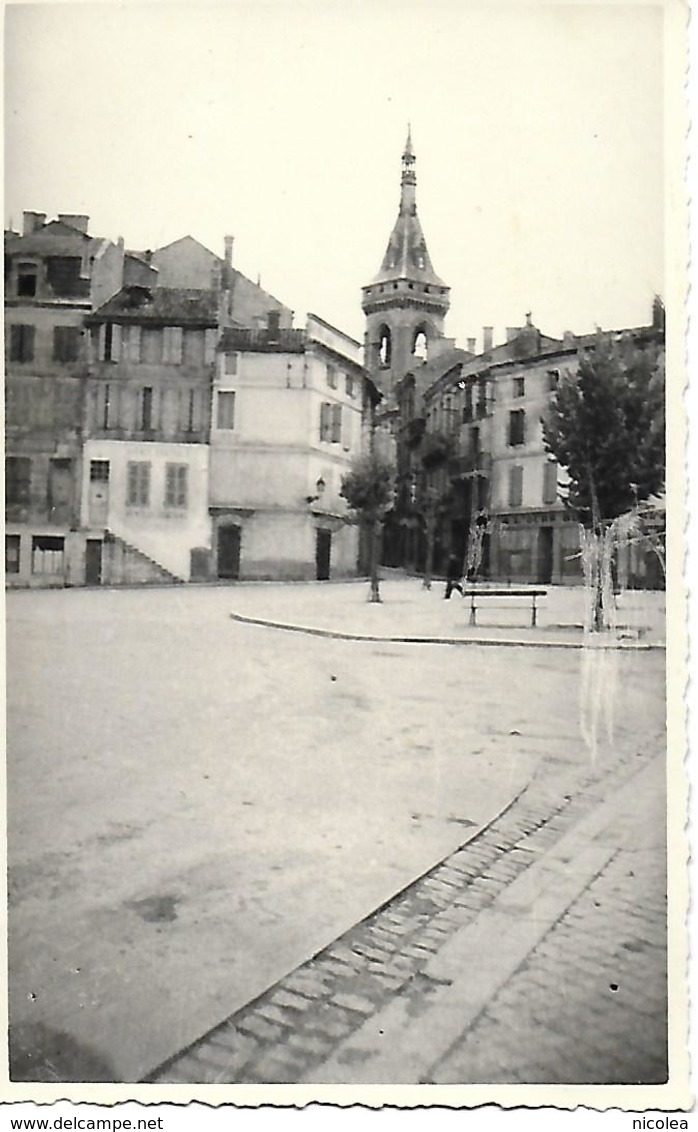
(409, 152)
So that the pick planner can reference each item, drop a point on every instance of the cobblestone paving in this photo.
(589, 1005)
(298, 1023)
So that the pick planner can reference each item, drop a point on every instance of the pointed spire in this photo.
(409, 152)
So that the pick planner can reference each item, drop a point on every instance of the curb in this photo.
(338, 635)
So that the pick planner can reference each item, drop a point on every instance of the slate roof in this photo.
(163, 306)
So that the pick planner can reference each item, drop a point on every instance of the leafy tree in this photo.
(368, 490)
(605, 426)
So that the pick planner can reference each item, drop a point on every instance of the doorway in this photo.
(229, 552)
(323, 552)
(93, 562)
(545, 555)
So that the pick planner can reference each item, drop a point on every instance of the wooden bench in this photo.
(476, 596)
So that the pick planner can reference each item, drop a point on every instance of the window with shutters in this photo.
(176, 485)
(550, 482)
(350, 386)
(482, 397)
(47, 554)
(22, 342)
(190, 410)
(194, 347)
(515, 485)
(517, 425)
(151, 345)
(65, 343)
(325, 420)
(12, 544)
(108, 351)
(172, 345)
(107, 406)
(331, 376)
(225, 410)
(336, 436)
(145, 412)
(18, 470)
(138, 484)
(468, 402)
(519, 386)
(231, 364)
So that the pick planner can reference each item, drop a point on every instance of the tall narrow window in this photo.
(349, 386)
(325, 421)
(146, 422)
(384, 346)
(22, 343)
(176, 485)
(17, 479)
(138, 484)
(231, 364)
(515, 485)
(517, 418)
(519, 386)
(550, 482)
(553, 379)
(189, 410)
(225, 410)
(108, 341)
(331, 376)
(12, 544)
(482, 397)
(152, 345)
(336, 436)
(65, 343)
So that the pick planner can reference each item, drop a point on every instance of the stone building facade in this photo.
(289, 411)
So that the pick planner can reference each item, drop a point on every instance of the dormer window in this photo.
(27, 274)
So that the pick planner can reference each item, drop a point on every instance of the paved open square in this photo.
(198, 806)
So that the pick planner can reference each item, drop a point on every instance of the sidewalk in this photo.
(408, 612)
(534, 954)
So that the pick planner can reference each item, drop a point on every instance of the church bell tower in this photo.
(406, 303)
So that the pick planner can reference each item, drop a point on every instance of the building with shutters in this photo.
(500, 492)
(145, 468)
(290, 409)
(110, 361)
(493, 404)
(51, 271)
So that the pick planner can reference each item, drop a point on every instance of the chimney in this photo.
(228, 255)
(487, 332)
(32, 221)
(471, 345)
(568, 339)
(75, 220)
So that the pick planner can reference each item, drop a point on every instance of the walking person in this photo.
(453, 576)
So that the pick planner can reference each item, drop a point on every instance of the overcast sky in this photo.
(537, 130)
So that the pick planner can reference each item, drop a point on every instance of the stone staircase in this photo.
(124, 564)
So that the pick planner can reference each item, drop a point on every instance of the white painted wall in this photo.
(165, 534)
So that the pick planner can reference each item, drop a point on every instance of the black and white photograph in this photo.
(344, 551)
